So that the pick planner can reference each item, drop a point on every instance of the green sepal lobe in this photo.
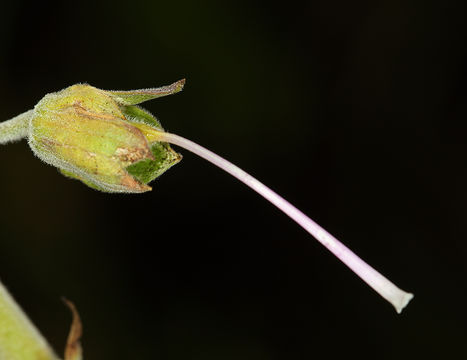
(134, 97)
(136, 114)
(147, 170)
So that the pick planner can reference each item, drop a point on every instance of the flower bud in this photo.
(101, 137)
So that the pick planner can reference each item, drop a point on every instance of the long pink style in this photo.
(397, 297)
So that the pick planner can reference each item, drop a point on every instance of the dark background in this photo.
(353, 111)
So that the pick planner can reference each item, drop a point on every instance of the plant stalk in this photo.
(15, 128)
(19, 338)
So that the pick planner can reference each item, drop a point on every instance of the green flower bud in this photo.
(101, 137)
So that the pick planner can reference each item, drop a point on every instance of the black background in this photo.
(354, 111)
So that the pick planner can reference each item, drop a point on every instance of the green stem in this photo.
(15, 129)
(19, 338)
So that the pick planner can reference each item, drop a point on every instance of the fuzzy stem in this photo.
(397, 297)
(19, 338)
(15, 128)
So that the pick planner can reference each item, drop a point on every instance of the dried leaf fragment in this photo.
(73, 350)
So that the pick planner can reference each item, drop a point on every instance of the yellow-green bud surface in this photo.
(101, 137)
